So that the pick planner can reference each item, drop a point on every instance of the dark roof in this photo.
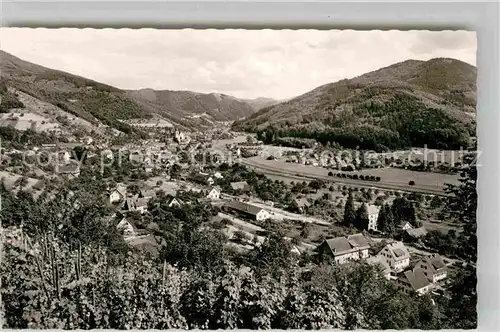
(69, 169)
(381, 261)
(242, 185)
(203, 200)
(437, 262)
(244, 207)
(145, 243)
(147, 193)
(142, 202)
(399, 252)
(416, 278)
(416, 232)
(339, 245)
(358, 240)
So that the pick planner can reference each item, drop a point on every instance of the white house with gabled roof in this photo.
(433, 267)
(344, 249)
(126, 228)
(397, 255)
(118, 194)
(414, 281)
(214, 193)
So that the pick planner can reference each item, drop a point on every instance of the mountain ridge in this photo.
(100, 103)
(383, 102)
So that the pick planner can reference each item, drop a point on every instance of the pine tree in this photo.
(390, 227)
(362, 219)
(386, 222)
(349, 211)
(403, 211)
(382, 218)
(462, 204)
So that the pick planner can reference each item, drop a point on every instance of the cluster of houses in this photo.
(139, 202)
(62, 161)
(210, 179)
(393, 260)
(326, 161)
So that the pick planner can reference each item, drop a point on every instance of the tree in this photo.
(435, 202)
(274, 254)
(349, 211)
(403, 211)
(382, 221)
(294, 207)
(462, 203)
(80, 153)
(306, 231)
(133, 188)
(385, 221)
(175, 171)
(316, 184)
(461, 310)
(362, 220)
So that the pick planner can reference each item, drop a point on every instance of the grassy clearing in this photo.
(389, 176)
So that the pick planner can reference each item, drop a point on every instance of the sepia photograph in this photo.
(238, 179)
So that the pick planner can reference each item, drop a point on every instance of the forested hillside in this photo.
(413, 103)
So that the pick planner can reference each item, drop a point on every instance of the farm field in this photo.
(426, 155)
(392, 178)
(287, 178)
(42, 117)
(402, 176)
(439, 226)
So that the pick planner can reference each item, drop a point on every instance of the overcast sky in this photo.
(243, 63)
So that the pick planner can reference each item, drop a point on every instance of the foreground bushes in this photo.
(46, 285)
(50, 285)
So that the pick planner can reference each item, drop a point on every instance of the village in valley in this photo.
(351, 206)
(183, 168)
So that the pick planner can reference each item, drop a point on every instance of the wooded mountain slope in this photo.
(215, 106)
(412, 103)
(100, 103)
